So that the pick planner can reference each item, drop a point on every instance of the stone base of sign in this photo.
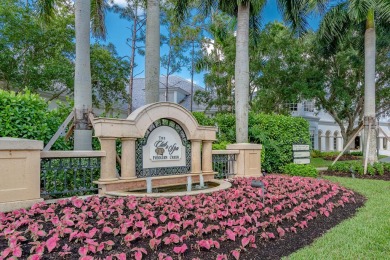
(13, 205)
(157, 182)
(248, 161)
(19, 173)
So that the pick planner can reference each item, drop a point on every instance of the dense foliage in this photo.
(357, 167)
(26, 115)
(277, 134)
(226, 224)
(304, 170)
(40, 56)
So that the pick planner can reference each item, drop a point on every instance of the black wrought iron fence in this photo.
(224, 165)
(69, 176)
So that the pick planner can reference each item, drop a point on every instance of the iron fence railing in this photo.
(65, 174)
(224, 163)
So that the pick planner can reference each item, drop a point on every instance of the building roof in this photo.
(175, 83)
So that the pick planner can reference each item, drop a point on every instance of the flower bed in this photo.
(228, 224)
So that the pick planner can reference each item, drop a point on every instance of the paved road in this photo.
(387, 159)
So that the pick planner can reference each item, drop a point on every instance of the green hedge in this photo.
(305, 170)
(26, 115)
(277, 134)
(357, 167)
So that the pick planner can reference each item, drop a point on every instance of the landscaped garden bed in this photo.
(377, 171)
(238, 223)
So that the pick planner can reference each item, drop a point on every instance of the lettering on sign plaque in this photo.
(301, 147)
(302, 161)
(165, 145)
(301, 154)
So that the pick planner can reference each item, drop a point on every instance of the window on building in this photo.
(292, 106)
(308, 106)
(335, 142)
(312, 138)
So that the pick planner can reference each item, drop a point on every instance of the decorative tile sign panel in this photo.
(164, 150)
(301, 153)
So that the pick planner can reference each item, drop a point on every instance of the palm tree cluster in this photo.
(247, 14)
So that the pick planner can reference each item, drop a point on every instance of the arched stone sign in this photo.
(148, 137)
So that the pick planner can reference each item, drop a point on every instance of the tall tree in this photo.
(152, 51)
(247, 13)
(362, 14)
(88, 15)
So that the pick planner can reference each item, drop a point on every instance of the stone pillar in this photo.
(207, 156)
(128, 159)
(248, 159)
(196, 164)
(20, 163)
(108, 163)
(323, 143)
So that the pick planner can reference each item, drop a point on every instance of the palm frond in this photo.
(358, 9)
(295, 13)
(334, 23)
(98, 25)
(382, 10)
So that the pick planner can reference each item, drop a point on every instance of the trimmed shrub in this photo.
(27, 115)
(277, 134)
(376, 168)
(315, 153)
(304, 170)
(360, 153)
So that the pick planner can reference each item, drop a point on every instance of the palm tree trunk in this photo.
(132, 59)
(369, 88)
(152, 51)
(242, 73)
(82, 81)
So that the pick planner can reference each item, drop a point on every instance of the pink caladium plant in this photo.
(240, 214)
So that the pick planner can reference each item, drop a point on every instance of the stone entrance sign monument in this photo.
(162, 141)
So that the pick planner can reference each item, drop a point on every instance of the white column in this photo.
(323, 145)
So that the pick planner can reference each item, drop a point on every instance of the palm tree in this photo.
(86, 12)
(247, 13)
(152, 51)
(361, 14)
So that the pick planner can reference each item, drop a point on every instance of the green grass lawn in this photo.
(365, 236)
(320, 162)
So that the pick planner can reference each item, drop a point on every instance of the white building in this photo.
(325, 132)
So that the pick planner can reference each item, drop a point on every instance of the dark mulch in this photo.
(384, 177)
(294, 241)
(345, 157)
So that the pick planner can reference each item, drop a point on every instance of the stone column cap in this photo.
(244, 146)
(10, 143)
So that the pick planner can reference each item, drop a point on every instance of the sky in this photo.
(118, 31)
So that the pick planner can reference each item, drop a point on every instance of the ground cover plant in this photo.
(379, 170)
(238, 223)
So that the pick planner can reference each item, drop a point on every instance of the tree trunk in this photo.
(192, 74)
(152, 52)
(132, 58)
(369, 89)
(242, 73)
(82, 81)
